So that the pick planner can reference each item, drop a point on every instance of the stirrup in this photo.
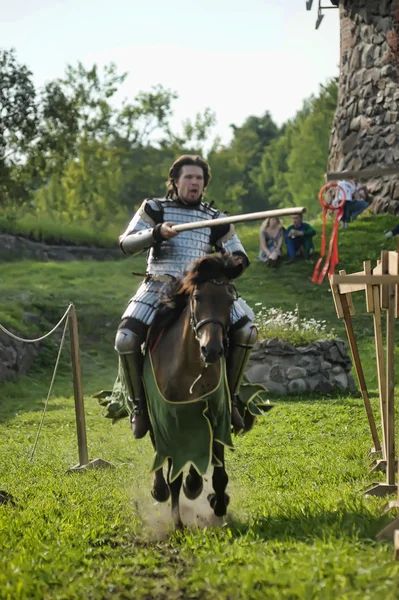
(140, 421)
(236, 419)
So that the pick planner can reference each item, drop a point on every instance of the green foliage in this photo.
(18, 122)
(54, 230)
(271, 176)
(89, 188)
(68, 152)
(249, 143)
(290, 326)
(307, 160)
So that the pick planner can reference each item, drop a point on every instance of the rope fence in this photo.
(43, 337)
(71, 322)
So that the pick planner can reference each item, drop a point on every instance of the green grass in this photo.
(53, 230)
(298, 526)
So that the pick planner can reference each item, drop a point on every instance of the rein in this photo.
(196, 326)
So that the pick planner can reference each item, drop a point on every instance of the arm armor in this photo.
(230, 242)
(143, 230)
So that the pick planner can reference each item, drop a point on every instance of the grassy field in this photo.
(298, 526)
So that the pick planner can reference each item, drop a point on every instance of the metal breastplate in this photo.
(174, 256)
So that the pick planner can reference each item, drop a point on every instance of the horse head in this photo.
(212, 293)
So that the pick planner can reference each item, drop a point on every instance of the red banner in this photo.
(332, 256)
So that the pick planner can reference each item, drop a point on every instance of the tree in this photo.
(249, 143)
(150, 112)
(307, 160)
(18, 119)
(90, 186)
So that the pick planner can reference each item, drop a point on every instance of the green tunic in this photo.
(185, 431)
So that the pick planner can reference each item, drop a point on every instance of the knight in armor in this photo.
(169, 255)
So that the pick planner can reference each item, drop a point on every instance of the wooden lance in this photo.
(279, 212)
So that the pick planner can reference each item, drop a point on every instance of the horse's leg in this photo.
(219, 500)
(160, 490)
(193, 485)
(175, 487)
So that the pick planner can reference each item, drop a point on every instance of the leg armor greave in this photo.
(241, 343)
(128, 345)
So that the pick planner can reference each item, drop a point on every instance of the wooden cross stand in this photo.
(381, 286)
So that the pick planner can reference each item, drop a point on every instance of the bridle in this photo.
(196, 325)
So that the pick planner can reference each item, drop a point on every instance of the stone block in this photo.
(276, 389)
(367, 58)
(350, 143)
(351, 383)
(384, 24)
(325, 386)
(334, 356)
(313, 382)
(277, 374)
(296, 373)
(296, 387)
(341, 380)
(325, 366)
(258, 373)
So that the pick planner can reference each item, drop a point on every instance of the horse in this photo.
(188, 344)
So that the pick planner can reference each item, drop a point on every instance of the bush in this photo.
(289, 326)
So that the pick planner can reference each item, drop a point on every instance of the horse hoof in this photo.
(161, 494)
(192, 494)
(6, 498)
(219, 508)
(178, 526)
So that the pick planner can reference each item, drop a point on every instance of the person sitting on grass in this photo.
(298, 238)
(356, 200)
(393, 232)
(271, 241)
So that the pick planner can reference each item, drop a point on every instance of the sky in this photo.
(239, 57)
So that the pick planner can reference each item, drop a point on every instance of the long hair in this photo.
(267, 221)
(175, 169)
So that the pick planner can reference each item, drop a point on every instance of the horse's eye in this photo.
(197, 297)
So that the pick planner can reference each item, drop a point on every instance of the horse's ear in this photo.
(204, 269)
(235, 267)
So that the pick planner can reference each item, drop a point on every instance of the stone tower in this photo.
(365, 130)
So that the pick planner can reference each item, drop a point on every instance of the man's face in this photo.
(190, 184)
(296, 220)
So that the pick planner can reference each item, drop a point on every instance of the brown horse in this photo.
(188, 338)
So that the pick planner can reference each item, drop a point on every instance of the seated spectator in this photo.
(349, 187)
(393, 232)
(356, 196)
(361, 200)
(298, 238)
(271, 240)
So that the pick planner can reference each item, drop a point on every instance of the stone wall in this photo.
(365, 129)
(322, 367)
(16, 248)
(16, 358)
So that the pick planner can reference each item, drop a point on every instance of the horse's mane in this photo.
(175, 296)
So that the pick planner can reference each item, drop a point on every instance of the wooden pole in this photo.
(379, 350)
(78, 388)
(346, 282)
(359, 372)
(279, 212)
(385, 271)
(390, 387)
(364, 173)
